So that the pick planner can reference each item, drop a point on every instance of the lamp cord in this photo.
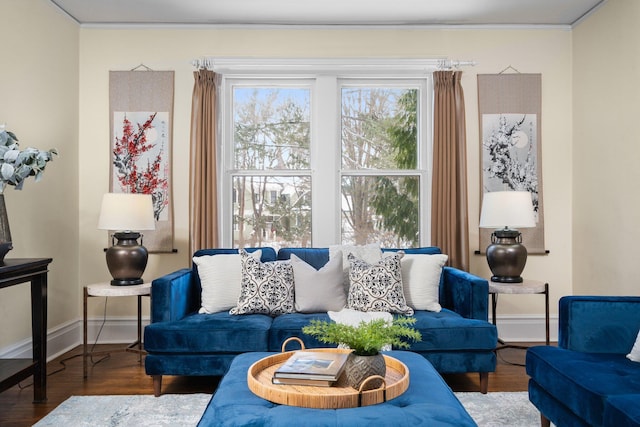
(66, 359)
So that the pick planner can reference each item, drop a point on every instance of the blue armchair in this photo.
(587, 380)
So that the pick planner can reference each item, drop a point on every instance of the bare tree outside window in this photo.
(379, 184)
(271, 133)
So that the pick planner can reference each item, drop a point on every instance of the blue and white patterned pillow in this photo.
(267, 287)
(377, 287)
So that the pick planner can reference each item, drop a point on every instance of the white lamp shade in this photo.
(508, 209)
(126, 211)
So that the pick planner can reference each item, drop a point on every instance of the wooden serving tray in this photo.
(338, 396)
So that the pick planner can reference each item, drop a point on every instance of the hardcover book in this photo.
(303, 382)
(313, 365)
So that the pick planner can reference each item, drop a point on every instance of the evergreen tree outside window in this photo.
(379, 135)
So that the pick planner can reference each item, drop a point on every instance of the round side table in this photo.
(526, 287)
(107, 290)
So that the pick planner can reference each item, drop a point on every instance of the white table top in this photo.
(107, 290)
(526, 287)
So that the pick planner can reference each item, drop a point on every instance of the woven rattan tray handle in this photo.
(288, 340)
(364, 383)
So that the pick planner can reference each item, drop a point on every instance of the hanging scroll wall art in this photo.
(509, 106)
(141, 119)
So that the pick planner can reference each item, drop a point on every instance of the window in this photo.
(317, 160)
(379, 135)
(271, 141)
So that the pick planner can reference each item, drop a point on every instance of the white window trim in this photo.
(326, 74)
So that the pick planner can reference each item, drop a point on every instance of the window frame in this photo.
(325, 78)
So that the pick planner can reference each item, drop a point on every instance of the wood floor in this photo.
(121, 373)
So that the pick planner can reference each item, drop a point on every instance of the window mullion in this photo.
(325, 161)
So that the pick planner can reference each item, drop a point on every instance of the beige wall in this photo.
(39, 102)
(606, 106)
(55, 94)
(532, 51)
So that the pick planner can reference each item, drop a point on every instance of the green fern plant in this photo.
(368, 338)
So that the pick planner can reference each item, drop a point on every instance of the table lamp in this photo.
(126, 212)
(506, 255)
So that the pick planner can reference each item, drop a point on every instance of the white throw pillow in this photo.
(318, 291)
(421, 280)
(635, 351)
(220, 279)
(370, 253)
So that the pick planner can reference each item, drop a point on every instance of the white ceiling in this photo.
(328, 12)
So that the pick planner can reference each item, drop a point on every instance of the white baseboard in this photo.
(523, 328)
(65, 337)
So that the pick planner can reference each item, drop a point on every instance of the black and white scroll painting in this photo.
(509, 153)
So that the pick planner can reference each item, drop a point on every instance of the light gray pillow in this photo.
(220, 279)
(377, 287)
(318, 291)
(267, 287)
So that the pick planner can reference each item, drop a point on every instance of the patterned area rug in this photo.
(500, 409)
(488, 410)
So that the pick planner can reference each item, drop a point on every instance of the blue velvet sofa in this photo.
(587, 380)
(181, 341)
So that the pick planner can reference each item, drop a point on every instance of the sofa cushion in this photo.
(562, 373)
(622, 411)
(268, 253)
(448, 331)
(378, 286)
(220, 279)
(318, 290)
(425, 250)
(267, 287)
(318, 257)
(421, 280)
(209, 333)
(290, 325)
(315, 257)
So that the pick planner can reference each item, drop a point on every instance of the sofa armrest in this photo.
(598, 324)
(464, 293)
(173, 296)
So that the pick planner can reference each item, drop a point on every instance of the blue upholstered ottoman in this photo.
(428, 402)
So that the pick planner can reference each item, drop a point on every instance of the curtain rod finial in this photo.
(448, 64)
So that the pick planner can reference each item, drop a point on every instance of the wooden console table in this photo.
(12, 371)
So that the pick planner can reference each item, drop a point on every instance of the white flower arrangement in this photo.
(17, 165)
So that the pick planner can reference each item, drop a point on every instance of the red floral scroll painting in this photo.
(139, 157)
(141, 125)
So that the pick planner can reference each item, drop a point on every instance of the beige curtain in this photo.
(449, 217)
(203, 203)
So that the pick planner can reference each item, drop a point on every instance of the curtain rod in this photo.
(448, 64)
(309, 64)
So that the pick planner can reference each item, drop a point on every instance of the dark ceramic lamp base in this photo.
(127, 259)
(506, 256)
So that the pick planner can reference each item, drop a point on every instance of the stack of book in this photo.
(312, 368)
